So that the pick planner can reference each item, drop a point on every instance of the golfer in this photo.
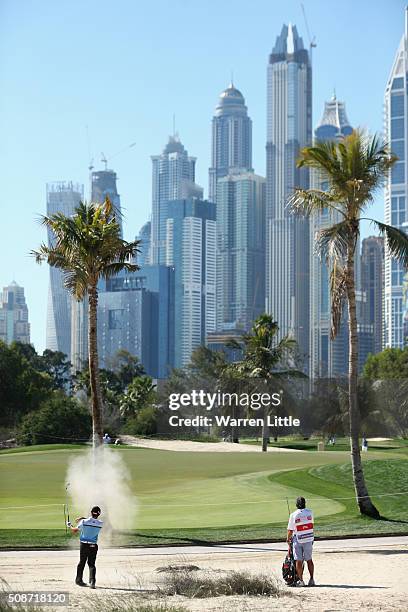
(300, 533)
(88, 529)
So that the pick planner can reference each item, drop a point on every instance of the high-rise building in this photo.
(289, 128)
(123, 316)
(240, 205)
(396, 190)
(143, 257)
(62, 197)
(231, 138)
(190, 248)
(103, 185)
(136, 313)
(14, 325)
(372, 275)
(327, 358)
(173, 179)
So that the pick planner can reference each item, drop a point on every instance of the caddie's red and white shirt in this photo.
(301, 523)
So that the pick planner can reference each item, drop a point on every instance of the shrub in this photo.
(144, 423)
(231, 583)
(58, 419)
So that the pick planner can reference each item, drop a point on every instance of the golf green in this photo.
(173, 489)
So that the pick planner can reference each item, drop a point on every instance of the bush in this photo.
(231, 583)
(58, 419)
(143, 424)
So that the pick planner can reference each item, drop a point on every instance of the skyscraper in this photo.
(327, 358)
(103, 185)
(173, 179)
(143, 257)
(14, 325)
(62, 197)
(372, 284)
(231, 138)
(240, 205)
(289, 128)
(190, 248)
(137, 313)
(396, 190)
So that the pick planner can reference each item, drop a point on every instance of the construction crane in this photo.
(312, 39)
(104, 159)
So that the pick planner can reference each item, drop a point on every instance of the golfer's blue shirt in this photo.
(89, 530)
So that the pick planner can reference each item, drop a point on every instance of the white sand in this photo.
(348, 577)
(203, 447)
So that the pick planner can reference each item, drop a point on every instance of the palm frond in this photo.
(116, 267)
(332, 242)
(307, 202)
(397, 241)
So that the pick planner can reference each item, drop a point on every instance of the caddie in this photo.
(301, 533)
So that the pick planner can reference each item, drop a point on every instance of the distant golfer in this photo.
(300, 532)
(88, 529)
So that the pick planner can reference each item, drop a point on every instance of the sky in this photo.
(82, 77)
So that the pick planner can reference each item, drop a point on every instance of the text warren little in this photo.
(228, 421)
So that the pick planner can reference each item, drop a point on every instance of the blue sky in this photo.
(123, 68)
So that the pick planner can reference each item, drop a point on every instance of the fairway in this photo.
(174, 490)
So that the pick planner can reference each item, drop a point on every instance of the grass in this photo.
(204, 497)
(230, 583)
(342, 444)
(174, 490)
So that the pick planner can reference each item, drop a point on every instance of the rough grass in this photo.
(126, 603)
(230, 583)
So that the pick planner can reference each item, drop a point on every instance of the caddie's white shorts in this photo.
(302, 552)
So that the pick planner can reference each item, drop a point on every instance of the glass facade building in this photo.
(103, 185)
(327, 358)
(191, 250)
(240, 250)
(173, 179)
(62, 197)
(231, 138)
(14, 325)
(136, 313)
(396, 192)
(289, 128)
(143, 257)
(372, 275)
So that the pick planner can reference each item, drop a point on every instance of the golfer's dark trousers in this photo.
(87, 553)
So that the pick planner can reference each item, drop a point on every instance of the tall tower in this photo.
(372, 274)
(103, 185)
(62, 197)
(14, 325)
(327, 358)
(190, 248)
(231, 138)
(396, 190)
(143, 257)
(240, 250)
(173, 179)
(289, 128)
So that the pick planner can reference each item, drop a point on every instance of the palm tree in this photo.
(267, 358)
(88, 247)
(354, 168)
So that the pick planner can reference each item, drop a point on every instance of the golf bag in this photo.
(289, 568)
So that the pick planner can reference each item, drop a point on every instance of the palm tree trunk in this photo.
(363, 500)
(265, 430)
(96, 396)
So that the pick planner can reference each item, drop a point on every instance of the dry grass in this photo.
(182, 582)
